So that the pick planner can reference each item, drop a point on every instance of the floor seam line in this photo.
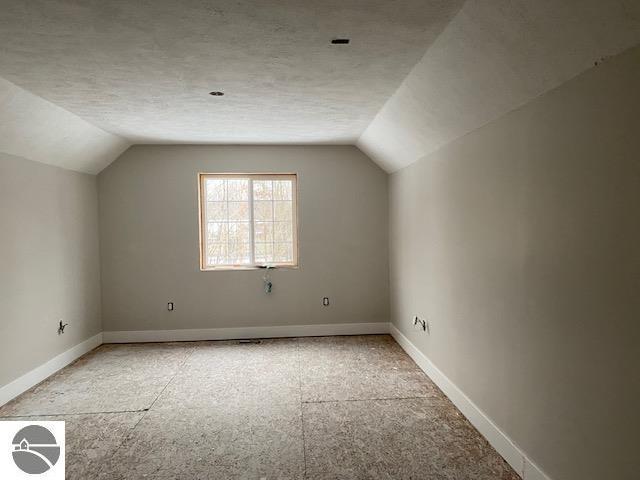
(107, 412)
(367, 399)
(178, 370)
(304, 442)
(147, 410)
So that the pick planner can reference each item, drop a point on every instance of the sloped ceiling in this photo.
(143, 69)
(494, 56)
(104, 74)
(37, 130)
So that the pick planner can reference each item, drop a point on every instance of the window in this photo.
(248, 221)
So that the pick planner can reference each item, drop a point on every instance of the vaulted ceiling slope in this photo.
(37, 130)
(143, 69)
(493, 57)
(120, 71)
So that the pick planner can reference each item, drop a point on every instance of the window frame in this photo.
(202, 223)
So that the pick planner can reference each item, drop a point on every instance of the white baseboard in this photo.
(38, 374)
(526, 468)
(496, 437)
(187, 335)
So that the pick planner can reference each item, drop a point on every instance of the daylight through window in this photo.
(247, 220)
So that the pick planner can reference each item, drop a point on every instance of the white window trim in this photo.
(251, 176)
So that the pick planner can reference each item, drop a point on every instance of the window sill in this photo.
(249, 267)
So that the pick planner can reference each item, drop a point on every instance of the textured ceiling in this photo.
(37, 130)
(142, 69)
(495, 56)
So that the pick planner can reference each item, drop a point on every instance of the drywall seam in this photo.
(513, 455)
(38, 374)
(186, 335)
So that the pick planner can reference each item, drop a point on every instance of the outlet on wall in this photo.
(325, 301)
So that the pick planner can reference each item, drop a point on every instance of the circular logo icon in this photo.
(35, 449)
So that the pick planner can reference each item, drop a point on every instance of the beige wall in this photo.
(49, 262)
(520, 243)
(149, 240)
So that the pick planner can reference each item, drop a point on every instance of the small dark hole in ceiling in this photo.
(216, 94)
(340, 41)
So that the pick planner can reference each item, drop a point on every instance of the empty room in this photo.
(340, 239)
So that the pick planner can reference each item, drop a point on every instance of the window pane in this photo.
(215, 190)
(282, 190)
(264, 252)
(262, 211)
(282, 211)
(282, 232)
(216, 211)
(262, 189)
(238, 211)
(263, 232)
(216, 254)
(282, 252)
(237, 189)
(217, 232)
(238, 233)
(239, 253)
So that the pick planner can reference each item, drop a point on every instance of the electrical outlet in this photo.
(325, 301)
(170, 306)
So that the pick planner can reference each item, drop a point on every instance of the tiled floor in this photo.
(316, 408)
